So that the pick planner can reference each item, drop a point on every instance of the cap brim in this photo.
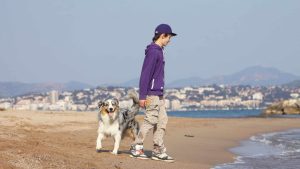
(173, 34)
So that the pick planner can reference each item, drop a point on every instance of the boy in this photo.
(151, 96)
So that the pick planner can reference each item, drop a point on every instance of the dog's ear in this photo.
(100, 104)
(117, 101)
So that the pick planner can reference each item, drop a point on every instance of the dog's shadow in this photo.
(148, 153)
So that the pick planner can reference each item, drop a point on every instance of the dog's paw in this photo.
(114, 152)
(98, 150)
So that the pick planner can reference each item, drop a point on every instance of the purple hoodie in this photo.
(152, 75)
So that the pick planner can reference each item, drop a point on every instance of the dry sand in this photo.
(35, 140)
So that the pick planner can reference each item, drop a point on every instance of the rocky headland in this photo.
(285, 107)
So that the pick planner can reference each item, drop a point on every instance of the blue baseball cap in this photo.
(164, 28)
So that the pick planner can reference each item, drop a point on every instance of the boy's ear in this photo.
(163, 35)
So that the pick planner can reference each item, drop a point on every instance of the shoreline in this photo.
(236, 156)
(31, 139)
(234, 139)
(259, 150)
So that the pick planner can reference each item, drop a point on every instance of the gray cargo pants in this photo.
(156, 118)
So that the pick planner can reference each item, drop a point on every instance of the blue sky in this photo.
(99, 42)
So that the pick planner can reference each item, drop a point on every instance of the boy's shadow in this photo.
(148, 153)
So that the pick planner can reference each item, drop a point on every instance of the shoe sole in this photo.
(142, 158)
(157, 159)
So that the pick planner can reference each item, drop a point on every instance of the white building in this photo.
(33, 106)
(202, 89)
(5, 105)
(81, 107)
(23, 104)
(68, 99)
(258, 96)
(53, 96)
(294, 95)
(175, 104)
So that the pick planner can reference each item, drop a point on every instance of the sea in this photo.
(277, 150)
(215, 113)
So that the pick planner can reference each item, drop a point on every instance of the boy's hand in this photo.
(143, 103)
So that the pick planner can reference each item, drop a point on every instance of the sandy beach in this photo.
(66, 140)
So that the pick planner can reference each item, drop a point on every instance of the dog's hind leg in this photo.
(99, 142)
(135, 128)
(117, 139)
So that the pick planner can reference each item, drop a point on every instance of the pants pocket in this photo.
(152, 103)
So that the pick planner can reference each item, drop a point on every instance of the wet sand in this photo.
(66, 140)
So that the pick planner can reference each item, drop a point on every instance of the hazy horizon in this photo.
(98, 42)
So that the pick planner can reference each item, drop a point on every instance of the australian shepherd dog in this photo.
(116, 122)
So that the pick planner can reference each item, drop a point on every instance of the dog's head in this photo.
(109, 107)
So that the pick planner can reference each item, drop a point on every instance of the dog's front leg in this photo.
(99, 142)
(117, 139)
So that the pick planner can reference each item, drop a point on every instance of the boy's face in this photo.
(165, 39)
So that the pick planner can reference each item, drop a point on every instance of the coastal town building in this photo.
(53, 96)
(177, 99)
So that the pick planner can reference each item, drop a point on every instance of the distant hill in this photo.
(130, 83)
(255, 76)
(192, 81)
(10, 89)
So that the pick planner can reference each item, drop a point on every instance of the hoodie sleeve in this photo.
(147, 73)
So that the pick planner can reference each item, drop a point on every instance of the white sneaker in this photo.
(162, 157)
(137, 151)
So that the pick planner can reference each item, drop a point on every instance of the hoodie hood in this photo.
(152, 46)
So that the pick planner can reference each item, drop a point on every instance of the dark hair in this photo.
(157, 35)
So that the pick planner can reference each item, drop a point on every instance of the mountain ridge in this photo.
(11, 89)
(254, 76)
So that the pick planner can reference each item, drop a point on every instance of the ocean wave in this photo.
(274, 150)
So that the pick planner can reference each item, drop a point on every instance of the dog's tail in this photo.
(134, 96)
